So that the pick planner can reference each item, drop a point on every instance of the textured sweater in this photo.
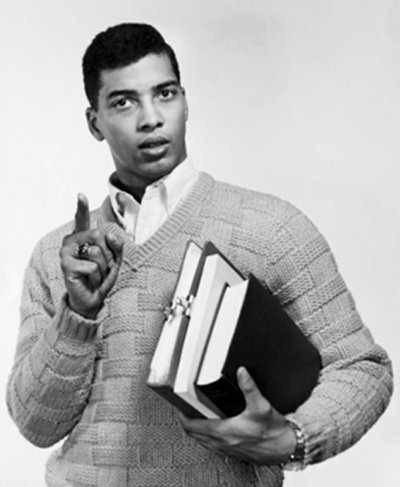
(84, 380)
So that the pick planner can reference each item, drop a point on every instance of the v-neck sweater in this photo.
(84, 380)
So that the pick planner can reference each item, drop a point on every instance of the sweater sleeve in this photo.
(355, 384)
(54, 362)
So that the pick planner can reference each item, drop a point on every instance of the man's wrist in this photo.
(75, 326)
(87, 313)
(296, 461)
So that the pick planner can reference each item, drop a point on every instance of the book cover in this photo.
(217, 274)
(253, 330)
(217, 322)
(164, 364)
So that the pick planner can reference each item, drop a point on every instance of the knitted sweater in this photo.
(85, 380)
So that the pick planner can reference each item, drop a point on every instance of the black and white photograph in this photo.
(201, 235)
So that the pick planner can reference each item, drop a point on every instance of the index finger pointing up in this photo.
(82, 215)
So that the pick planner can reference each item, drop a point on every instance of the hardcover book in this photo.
(166, 357)
(217, 322)
(252, 330)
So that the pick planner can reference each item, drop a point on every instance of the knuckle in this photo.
(231, 442)
(92, 267)
(65, 246)
(65, 255)
(96, 234)
(70, 278)
(94, 251)
(64, 261)
(66, 240)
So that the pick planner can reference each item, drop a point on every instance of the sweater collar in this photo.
(171, 189)
(136, 255)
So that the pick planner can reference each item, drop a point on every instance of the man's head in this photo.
(119, 46)
(137, 103)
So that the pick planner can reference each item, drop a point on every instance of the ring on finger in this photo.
(82, 251)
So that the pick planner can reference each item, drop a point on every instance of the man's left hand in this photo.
(259, 435)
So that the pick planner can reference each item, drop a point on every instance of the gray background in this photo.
(299, 98)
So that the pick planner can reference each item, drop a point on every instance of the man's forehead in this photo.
(148, 71)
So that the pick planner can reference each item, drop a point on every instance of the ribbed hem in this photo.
(75, 326)
(314, 436)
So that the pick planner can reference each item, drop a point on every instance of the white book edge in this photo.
(217, 271)
(159, 366)
(222, 333)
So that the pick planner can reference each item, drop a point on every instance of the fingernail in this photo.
(243, 374)
(82, 198)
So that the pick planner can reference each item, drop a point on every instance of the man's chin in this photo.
(159, 168)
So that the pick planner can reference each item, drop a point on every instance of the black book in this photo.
(253, 330)
(217, 322)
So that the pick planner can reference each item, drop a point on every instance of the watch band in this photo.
(296, 460)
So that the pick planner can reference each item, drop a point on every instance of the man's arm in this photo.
(56, 350)
(259, 435)
(355, 383)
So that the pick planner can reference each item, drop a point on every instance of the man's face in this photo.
(142, 113)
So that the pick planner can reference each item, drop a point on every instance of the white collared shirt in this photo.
(142, 220)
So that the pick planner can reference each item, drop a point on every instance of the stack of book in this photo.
(218, 321)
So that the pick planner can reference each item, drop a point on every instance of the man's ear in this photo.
(91, 118)
(186, 105)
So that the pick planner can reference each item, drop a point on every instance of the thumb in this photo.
(255, 401)
(116, 245)
(123, 201)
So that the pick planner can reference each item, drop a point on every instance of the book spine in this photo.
(167, 393)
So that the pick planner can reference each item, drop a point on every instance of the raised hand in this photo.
(259, 435)
(90, 262)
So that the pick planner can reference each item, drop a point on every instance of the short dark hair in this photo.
(119, 46)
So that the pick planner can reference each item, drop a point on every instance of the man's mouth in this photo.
(153, 143)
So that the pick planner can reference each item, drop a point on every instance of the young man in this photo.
(89, 326)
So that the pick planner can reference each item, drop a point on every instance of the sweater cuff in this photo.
(77, 327)
(314, 436)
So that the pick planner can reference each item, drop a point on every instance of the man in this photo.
(89, 326)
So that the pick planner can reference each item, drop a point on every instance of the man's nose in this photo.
(150, 117)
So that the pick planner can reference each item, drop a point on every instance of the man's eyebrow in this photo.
(125, 92)
(166, 84)
(135, 93)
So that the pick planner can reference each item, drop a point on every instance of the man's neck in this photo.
(136, 191)
(137, 188)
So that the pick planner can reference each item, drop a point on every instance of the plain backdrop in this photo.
(299, 98)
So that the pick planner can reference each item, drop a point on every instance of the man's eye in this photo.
(122, 103)
(167, 94)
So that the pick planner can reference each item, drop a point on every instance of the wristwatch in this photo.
(296, 460)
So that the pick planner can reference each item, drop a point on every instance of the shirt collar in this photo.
(174, 186)
(178, 183)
